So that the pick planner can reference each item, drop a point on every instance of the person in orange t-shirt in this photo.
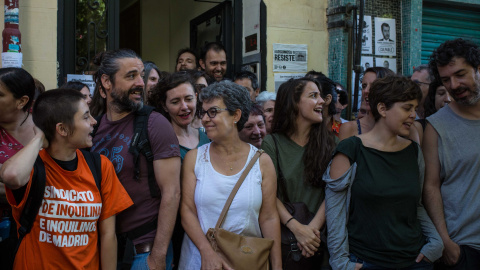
(74, 216)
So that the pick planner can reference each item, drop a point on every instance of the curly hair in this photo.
(454, 48)
(320, 146)
(233, 95)
(390, 90)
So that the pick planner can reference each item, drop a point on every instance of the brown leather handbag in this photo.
(240, 252)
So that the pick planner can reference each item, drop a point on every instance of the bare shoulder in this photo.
(348, 129)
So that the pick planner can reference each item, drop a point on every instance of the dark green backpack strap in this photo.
(141, 145)
(94, 162)
(34, 200)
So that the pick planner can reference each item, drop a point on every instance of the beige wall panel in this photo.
(317, 42)
(45, 71)
(155, 31)
(38, 25)
(301, 14)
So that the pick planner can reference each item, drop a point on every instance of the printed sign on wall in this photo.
(385, 35)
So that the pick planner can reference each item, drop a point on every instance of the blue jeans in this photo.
(423, 265)
(140, 260)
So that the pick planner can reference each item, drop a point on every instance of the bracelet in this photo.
(288, 221)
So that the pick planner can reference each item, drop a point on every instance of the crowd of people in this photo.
(134, 176)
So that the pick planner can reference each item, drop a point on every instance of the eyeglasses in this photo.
(419, 83)
(212, 112)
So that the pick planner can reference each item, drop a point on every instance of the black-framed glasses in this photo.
(419, 83)
(212, 112)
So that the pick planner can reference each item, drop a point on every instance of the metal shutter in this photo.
(441, 23)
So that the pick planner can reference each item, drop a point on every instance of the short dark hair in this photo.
(390, 90)
(381, 72)
(384, 25)
(18, 82)
(76, 85)
(342, 97)
(419, 68)
(56, 106)
(454, 48)
(159, 95)
(216, 46)
(190, 51)
(107, 63)
(233, 95)
(245, 74)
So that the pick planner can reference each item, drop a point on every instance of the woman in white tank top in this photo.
(209, 174)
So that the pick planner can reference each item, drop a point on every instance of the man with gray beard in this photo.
(452, 177)
(152, 179)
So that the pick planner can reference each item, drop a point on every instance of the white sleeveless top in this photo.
(211, 192)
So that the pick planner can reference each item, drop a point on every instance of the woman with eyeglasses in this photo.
(209, 174)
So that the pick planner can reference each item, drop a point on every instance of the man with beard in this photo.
(214, 60)
(254, 130)
(452, 176)
(186, 60)
(148, 224)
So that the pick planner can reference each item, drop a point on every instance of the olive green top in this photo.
(291, 163)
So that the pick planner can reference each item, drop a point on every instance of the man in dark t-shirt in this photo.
(120, 79)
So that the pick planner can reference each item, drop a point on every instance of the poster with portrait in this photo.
(390, 63)
(385, 37)
(366, 34)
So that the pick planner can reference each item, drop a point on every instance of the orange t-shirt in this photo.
(65, 232)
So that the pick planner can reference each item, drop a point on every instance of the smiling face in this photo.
(126, 92)
(222, 124)
(268, 110)
(181, 104)
(310, 106)
(441, 97)
(215, 64)
(186, 61)
(461, 80)
(367, 81)
(253, 131)
(400, 117)
(83, 124)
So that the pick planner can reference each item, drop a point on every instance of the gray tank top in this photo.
(459, 155)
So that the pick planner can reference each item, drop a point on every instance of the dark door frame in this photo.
(66, 22)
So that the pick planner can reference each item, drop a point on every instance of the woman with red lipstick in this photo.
(375, 218)
(300, 146)
(175, 98)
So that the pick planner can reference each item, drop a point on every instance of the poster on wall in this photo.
(290, 57)
(280, 78)
(385, 35)
(86, 79)
(367, 34)
(390, 63)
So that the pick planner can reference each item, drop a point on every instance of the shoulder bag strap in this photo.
(280, 178)
(237, 187)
